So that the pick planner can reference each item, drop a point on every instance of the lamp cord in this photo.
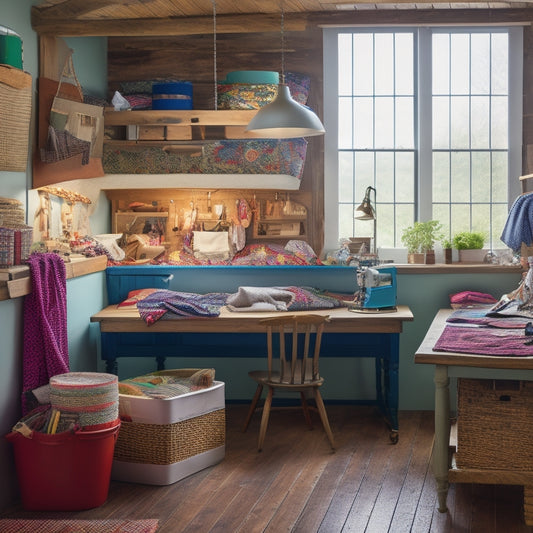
(215, 52)
(282, 42)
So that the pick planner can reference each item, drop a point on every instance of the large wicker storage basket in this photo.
(169, 439)
(15, 110)
(494, 424)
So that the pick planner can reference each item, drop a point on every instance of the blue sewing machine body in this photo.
(377, 289)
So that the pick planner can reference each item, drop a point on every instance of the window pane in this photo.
(459, 116)
(363, 123)
(441, 212)
(384, 117)
(385, 176)
(500, 177)
(499, 122)
(405, 217)
(404, 64)
(441, 62)
(500, 63)
(481, 218)
(346, 175)
(460, 177)
(363, 63)
(364, 174)
(404, 123)
(480, 62)
(460, 64)
(480, 122)
(459, 218)
(441, 122)
(385, 227)
(441, 177)
(345, 123)
(384, 64)
(345, 64)
(405, 177)
(481, 177)
(346, 221)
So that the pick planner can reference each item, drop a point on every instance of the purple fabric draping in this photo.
(45, 343)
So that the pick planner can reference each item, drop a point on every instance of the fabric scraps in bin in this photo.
(165, 385)
(45, 340)
(483, 341)
(167, 304)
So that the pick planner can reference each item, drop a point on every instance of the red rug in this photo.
(15, 525)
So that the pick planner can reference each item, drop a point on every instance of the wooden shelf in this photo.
(157, 126)
(20, 284)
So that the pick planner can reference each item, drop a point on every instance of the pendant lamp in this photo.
(284, 118)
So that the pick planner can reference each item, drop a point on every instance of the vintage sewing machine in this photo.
(377, 290)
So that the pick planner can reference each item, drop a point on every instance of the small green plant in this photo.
(468, 240)
(421, 236)
(446, 244)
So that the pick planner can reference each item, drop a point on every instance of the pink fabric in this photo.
(484, 341)
(45, 350)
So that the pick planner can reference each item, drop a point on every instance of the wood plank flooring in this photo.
(298, 484)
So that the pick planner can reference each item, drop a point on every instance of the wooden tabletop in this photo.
(115, 319)
(425, 353)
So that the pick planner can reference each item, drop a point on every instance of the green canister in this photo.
(10, 48)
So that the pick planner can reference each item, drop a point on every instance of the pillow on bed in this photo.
(136, 296)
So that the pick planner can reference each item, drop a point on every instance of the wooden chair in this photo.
(295, 373)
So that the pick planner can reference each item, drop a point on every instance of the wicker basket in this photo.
(15, 110)
(165, 444)
(164, 440)
(494, 424)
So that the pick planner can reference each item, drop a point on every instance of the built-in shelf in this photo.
(177, 126)
(16, 280)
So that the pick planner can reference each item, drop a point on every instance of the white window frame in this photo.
(423, 201)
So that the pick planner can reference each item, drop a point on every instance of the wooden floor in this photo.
(298, 484)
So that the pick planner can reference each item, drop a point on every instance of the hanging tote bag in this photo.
(75, 127)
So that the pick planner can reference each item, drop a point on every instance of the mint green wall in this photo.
(85, 295)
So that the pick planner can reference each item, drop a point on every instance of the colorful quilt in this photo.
(256, 156)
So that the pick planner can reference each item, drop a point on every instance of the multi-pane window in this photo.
(427, 117)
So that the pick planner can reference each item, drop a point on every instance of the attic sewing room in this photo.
(266, 266)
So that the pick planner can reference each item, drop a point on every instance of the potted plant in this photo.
(419, 239)
(447, 248)
(470, 245)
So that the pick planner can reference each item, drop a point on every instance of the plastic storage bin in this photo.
(68, 471)
(165, 440)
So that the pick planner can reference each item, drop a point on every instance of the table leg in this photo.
(442, 434)
(389, 396)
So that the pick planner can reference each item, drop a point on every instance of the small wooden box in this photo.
(165, 133)
(494, 424)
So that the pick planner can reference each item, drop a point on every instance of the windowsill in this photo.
(21, 285)
(457, 268)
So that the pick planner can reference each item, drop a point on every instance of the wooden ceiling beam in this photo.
(77, 8)
(245, 23)
(259, 23)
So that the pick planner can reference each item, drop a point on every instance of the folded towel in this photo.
(259, 299)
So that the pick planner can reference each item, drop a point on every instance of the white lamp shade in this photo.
(283, 118)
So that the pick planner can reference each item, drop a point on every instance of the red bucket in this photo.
(68, 471)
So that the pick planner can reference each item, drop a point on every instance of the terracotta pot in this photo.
(430, 257)
(416, 259)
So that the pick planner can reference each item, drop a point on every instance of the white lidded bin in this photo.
(164, 440)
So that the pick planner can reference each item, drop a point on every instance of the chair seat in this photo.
(261, 376)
